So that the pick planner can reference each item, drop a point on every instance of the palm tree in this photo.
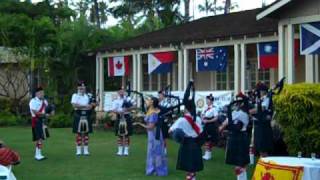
(209, 7)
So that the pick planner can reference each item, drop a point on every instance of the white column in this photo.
(158, 81)
(174, 78)
(180, 70)
(281, 54)
(133, 83)
(139, 73)
(169, 77)
(316, 68)
(212, 80)
(185, 68)
(236, 68)
(101, 84)
(150, 82)
(310, 66)
(291, 69)
(97, 77)
(243, 67)
(272, 77)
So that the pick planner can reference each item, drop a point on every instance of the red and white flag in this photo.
(118, 66)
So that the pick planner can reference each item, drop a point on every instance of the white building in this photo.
(240, 32)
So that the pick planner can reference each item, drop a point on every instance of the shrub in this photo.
(297, 111)
(60, 120)
(8, 119)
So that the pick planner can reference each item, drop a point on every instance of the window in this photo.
(230, 70)
(258, 75)
(221, 80)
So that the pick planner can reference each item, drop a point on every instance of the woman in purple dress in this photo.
(156, 158)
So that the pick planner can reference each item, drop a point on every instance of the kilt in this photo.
(211, 132)
(263, 138)
(190, 156)
(165, 130)
(38, 130)
(76, 120)
(237, 151)
(129, 124)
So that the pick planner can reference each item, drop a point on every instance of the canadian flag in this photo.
(118, 66)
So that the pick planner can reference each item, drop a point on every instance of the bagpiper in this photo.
(38, 106)
(164, 126)
(263, 136)
(122, 106)
(82, 124)
(209, 118)
(237, 150)
(187, 130)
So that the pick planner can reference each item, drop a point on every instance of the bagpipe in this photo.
(169, 110)
(244, 105)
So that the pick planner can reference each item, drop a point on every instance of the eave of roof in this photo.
(211, 28)
(272, 8)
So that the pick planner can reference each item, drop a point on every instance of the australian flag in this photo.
(211, 59)
(310, 38)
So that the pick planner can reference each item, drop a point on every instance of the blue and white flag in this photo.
(211, 59)
(310, 38)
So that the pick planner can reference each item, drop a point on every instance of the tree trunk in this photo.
(186, 10)
(227, 7)
(97, 15)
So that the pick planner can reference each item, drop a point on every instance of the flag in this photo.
(310, 38)
(268, 55)
(271, 170)
(160, 62)
(118, 66)
(211, 59)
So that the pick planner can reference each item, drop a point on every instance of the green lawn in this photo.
(103, 163)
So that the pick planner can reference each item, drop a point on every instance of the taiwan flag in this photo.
(268, 55)
(118, 66)
(160, 62)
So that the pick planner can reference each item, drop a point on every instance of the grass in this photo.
(102, 163)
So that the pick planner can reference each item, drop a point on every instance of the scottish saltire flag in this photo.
(310, 38)
(211, 59)
(268, 55)
(160, 62)
(118, 66)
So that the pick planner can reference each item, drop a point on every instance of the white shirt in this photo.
(265, 102)
(117, 104)
(35, 104)
(210, 112)
(82, 100)
(240, 116)
(185, 126)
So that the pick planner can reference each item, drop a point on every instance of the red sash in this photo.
(192, 124)
(34, 119)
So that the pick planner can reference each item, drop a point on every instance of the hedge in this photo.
(298, 113)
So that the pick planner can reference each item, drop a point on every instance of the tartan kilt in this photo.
(263, 137)
(190, 156)
(237, 151)
(129, 124)
(38, 132)
(76, 120)
(211, 132)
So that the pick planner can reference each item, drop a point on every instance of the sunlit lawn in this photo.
(103, 163)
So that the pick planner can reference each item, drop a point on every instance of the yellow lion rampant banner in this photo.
(272, 171)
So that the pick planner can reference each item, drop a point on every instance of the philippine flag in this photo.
(118, 66)
(160, 62)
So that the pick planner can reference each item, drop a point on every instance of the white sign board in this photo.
(221, 98)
